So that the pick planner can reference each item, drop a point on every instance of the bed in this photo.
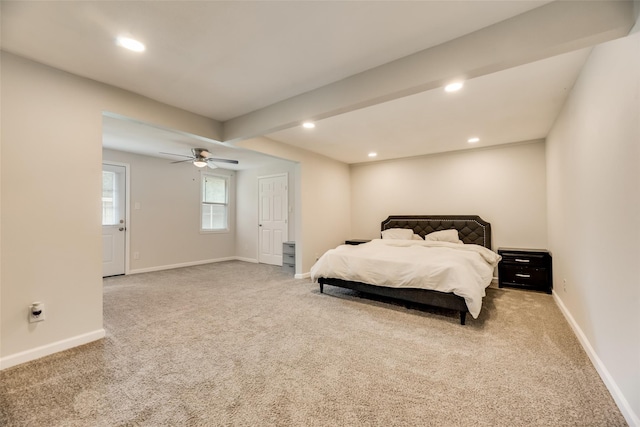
(450, 287)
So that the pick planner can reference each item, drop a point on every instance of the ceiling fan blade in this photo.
(173, 154)
(212, 159)
(182, 161)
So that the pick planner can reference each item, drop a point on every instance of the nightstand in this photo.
(525, 269)
(355, 241)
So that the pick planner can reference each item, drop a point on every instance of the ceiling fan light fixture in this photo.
(201, 158)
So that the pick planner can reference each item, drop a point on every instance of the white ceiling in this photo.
(230, 59)
(518, 104)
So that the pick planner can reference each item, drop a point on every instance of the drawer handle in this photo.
(526, 276)
(522, 260)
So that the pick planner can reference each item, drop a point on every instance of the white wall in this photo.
(505, 185)
(248, 205)
(593, 162)
(50, 245)
(165, 231)
(323, 200)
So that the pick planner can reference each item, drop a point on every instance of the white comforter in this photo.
(465, 270)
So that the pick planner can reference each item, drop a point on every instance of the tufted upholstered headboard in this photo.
(471, 228)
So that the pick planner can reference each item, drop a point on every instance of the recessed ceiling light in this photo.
(308, 125)
(130, 44)
(453, 87)
(373, 154)
(473, 140)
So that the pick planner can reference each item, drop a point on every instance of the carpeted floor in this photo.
(238, 344)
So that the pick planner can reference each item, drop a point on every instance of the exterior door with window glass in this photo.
(113, 219)
(273, 218)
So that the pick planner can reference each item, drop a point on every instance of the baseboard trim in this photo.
(183, 264)
(623, 404)
(46, 350)
(251, 260)
(302, 276)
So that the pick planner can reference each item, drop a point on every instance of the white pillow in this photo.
(443, 236)
(416, 237)
(398, 233)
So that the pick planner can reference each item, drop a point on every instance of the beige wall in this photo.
(165, 231)
(323, 200)
(505, 185)
(51, 238)
(593, 162)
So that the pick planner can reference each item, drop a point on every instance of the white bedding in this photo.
(465, 270)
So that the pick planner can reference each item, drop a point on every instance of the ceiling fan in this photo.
(201, 158)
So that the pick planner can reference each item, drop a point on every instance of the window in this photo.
(109, 198)
(215, 203)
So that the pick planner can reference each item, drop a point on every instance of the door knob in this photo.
(121, 229)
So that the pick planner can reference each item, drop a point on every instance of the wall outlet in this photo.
(36, 312)
(136, 255)
(564, 285)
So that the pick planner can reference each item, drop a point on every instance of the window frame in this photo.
(226, 204)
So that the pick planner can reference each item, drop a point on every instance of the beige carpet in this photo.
(237, 344)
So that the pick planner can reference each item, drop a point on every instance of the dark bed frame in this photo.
(471, 229)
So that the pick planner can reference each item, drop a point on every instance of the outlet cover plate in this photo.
(33, 313)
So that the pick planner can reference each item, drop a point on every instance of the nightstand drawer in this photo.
(523, 259)
(525, 276)
(289, 268)
(289, 248)
(288, 259)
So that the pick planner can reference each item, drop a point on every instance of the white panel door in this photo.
(273, 218)
(113, 219)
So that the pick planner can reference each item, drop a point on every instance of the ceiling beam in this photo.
(552, 29)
